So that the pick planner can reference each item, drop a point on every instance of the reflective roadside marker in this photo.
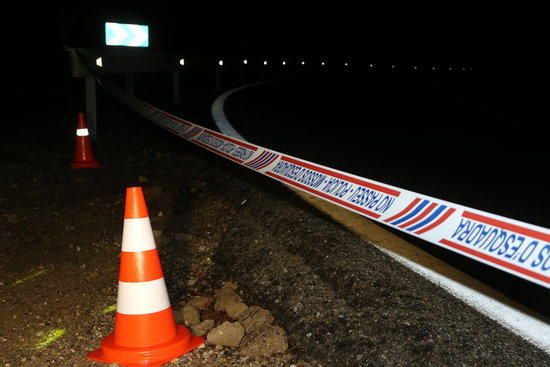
(182, 62)
(220, 62)
(132, 35)
(245, 61)
(82, 132)
(99, 62)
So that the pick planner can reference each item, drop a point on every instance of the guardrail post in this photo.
(91, 117)
(177, 87)
(242, 75)
(266, 69)
(218, 81)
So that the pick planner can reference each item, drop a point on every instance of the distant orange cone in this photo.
(145, 332)
(83, 155)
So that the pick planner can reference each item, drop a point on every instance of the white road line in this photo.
(495, 305)
(218, 113)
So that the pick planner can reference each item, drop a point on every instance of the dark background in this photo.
(507, 40)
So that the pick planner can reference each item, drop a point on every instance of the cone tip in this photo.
(80, 121)
(135, 204)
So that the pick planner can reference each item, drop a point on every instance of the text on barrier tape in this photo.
(516, 247)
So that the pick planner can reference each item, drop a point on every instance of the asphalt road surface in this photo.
(461, 138)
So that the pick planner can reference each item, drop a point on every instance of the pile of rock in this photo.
(232, 323)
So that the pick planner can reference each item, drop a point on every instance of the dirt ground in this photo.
(341, 301)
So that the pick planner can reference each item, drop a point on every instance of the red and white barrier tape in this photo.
(516, 247)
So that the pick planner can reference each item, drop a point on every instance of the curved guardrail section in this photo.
(516, 247)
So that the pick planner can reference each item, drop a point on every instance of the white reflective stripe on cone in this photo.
(142, 297)
(137, 235)
(81, 132)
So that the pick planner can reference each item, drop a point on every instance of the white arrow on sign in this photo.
(119, 34)
(133, 35)
(140, 36)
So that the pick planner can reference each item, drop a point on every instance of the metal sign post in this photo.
(89, 63)
(130, 84)
(91, 106)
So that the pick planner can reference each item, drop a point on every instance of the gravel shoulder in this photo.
(340, 301)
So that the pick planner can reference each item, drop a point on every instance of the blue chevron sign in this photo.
(132, 35)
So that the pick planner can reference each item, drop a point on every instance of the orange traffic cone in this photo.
(145, 332)
(83, 155)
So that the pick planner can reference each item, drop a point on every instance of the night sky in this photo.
(506, 39)
(408, 32)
